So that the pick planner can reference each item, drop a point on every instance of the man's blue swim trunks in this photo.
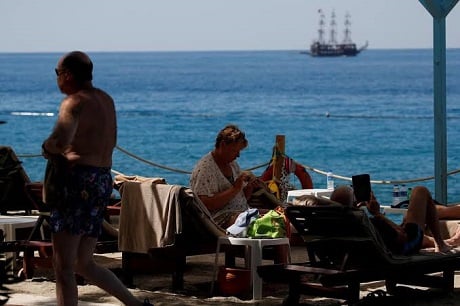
(88, 191)
(414, 238)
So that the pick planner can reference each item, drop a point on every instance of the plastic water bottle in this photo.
(330, 181)
(402, 193)
(395, 195)
(409, 192)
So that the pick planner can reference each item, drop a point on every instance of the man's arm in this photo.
(374, 208)
(64, 130)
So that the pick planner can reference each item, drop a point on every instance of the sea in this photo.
(372, 113)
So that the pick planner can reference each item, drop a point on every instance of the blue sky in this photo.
(172, 25)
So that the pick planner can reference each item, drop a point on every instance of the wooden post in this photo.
(280, 149)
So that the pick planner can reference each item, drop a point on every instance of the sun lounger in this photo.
(345, 251)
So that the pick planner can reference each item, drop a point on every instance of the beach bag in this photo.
(270, 225)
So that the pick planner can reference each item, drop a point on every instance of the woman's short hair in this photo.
(231, 134)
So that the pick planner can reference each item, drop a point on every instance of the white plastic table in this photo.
(256, 246)
(9, 225)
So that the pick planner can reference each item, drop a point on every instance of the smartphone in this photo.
(361, 187)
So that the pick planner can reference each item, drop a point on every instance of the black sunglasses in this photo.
(59, 72)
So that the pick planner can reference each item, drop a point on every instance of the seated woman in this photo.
(220, 184)
(218, 180)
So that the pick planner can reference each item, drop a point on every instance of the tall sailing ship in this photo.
(332, 48)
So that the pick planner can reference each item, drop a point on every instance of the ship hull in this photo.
(317, 49)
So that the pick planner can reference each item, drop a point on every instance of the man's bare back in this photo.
(95, 136)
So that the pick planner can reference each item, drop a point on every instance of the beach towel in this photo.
(151, 215)
(119, 179)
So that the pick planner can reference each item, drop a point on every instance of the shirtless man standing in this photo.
(85, 135)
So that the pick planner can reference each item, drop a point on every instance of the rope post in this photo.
(280, 143)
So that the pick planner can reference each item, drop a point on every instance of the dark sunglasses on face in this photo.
(59, 72)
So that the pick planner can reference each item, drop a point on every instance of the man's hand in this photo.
(372, 205)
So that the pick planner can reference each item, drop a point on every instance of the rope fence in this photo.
(307, 167)
(389, 182)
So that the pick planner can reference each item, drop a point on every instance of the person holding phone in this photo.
(408, 237)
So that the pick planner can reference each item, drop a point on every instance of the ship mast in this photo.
(321, 27)
(347, 31)
(333, 30)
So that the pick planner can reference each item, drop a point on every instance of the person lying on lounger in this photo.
(407, 238)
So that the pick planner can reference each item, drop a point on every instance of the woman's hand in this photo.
(249, 183)
(239, 182)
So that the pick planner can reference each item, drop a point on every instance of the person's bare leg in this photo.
(448, 212)
(100, 276)
(422, 211)
(428, 242)
(64, 255)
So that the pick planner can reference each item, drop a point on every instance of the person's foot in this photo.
(444, 248)
(455, 239)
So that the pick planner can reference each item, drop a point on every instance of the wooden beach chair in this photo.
(12, 179)
(148, 247)
(345, 251)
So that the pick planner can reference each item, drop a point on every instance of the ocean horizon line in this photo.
(212, 51)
